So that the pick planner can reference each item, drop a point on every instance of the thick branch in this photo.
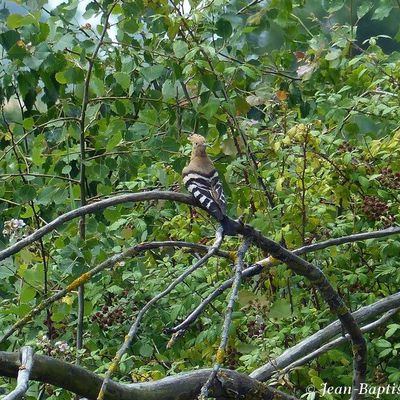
(178, 387)
(172, 196)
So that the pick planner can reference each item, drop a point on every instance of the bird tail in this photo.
(228, 226)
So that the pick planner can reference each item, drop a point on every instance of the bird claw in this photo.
(240, 220)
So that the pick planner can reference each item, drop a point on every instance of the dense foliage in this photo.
(302, 118)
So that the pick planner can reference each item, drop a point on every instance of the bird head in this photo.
(198, 142)
(199, 145)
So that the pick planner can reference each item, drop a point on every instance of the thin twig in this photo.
(39, 176)
(54, 121)
(253, 3)
(82, 174)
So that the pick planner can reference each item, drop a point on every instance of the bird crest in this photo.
(197, 139)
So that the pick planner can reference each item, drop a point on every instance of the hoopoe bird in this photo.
(201, 180)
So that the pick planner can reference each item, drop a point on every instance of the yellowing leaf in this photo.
(282, 95)
(67, 300)
(279, 183)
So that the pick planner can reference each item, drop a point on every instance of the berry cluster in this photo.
(232, 357)
(52, 331)
(14, 228)
(374, 208)
(108, 316)
(345, 147)
(389, 178)
(59, 348)
(255, 328)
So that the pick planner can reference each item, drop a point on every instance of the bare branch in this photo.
(227, 321)
(335, 302)
(135, 327)
(316, 340)
(347, 239)
(24, 372)
(340, 340)
(183, 386)
(91, 208)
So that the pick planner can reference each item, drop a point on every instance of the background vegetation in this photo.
(302, 113)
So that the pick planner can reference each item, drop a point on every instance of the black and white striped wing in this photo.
(217, 192)
(207, 190)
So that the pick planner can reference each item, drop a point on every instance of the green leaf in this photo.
(152, 73)
(364, 182)
(280, 309)
(211, 108)
(180, 48)
(25, 193)
(27, 294)
(363, 9)
(169, 90)
(37, 156)
(17, 20)
(114, 140)
(146, 350)
(224, 28)
(333, 55)
(122, 79)
(382, 11)
(9, 39)
(336, 5)
(28, 123)
(60, 77)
